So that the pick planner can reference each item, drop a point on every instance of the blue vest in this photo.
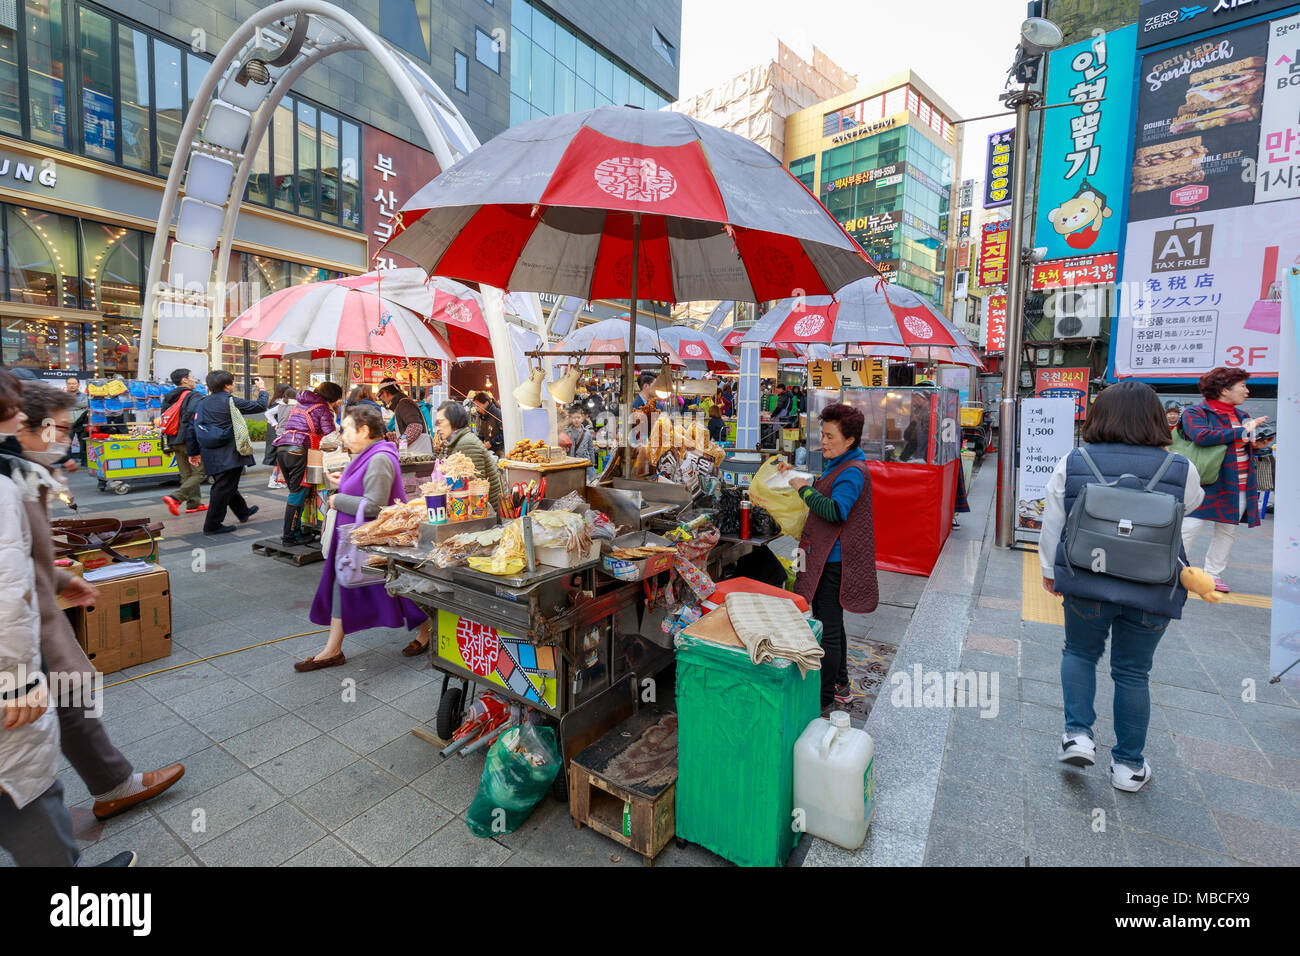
(1141, 461)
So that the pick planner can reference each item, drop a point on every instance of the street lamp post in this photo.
(1023, 100)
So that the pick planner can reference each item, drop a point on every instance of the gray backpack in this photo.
(1129, 533)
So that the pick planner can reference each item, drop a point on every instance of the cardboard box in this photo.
(130, 623)
(144, 550)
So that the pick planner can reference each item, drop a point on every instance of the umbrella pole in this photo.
(629, 363)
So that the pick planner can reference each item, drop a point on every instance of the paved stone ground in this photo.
(1225, 788)
(280, 771)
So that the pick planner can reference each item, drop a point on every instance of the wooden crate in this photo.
(634, 764)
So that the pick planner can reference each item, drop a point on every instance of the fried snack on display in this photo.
(459, 466)
(397, 526)
(433, 488)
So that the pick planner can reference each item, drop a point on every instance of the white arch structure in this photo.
(219, 140)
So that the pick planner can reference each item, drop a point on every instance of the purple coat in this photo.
(372, 605)
(294, 430)
(1206, 427)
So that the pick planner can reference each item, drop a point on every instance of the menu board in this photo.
(373, 369)
(1046, 436)
(1071, 383)
(847, 373)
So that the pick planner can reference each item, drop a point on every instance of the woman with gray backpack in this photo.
(1111, 546)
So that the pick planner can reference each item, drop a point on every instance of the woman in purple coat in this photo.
(375, 476)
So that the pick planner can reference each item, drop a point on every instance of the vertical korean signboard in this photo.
(994, 247)
(997, 170)
(1046, 436)
(1213, 215)
(1085, 160)
(995, 325)
(392, 171)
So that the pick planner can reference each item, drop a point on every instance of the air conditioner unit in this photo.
(1078, 313)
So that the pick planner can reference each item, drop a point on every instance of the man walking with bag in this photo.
(176, 424)
(219, 441)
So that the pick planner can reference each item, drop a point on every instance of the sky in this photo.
(960, 48)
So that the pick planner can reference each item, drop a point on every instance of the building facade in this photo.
(93, 97)
(882, 158)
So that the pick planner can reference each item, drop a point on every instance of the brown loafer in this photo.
(415, 648)
(155, 782)
(311, 664)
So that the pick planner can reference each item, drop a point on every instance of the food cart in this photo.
(912, 442)
(560, 641)
(118, 461)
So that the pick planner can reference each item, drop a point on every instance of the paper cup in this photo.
(478, 506)
(457, 505)
(457, 484)
(437, 505)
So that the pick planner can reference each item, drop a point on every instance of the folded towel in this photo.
(771, 627)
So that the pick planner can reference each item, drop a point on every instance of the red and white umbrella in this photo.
(550, 206)
(454, 310)
(732, 340)
(341, 315)
(606, 340)
(701, 351)
(868, 312)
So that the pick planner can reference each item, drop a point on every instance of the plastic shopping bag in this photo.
(783, 504)
(521, 766)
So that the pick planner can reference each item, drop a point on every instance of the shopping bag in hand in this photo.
(783, 504)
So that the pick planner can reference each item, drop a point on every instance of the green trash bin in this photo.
(737, 723)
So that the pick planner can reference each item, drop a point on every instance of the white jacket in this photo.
(29, 755)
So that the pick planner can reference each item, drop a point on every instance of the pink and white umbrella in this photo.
(611, 336)
(341, 315)
(454, 310)
(732, 340)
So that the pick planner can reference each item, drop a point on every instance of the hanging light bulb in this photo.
(529, 394)
(663, 385)
(564, 390)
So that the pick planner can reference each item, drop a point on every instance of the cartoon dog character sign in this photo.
(1081, 217)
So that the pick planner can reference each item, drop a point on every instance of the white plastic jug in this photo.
(834, 780)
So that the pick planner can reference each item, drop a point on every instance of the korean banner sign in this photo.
(1067, 273)
(997, 171)
(995, 326)
(993, 253)
(1071, 383)
(1084, 162)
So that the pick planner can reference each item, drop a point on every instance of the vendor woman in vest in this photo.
(838, 544)
(1126, 434)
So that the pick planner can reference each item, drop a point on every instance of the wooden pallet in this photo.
(295, 554)
(638, 770)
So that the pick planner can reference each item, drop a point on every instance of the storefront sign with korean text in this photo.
(847, 373)
(1086, 270)
(995, 324)
(994, 245)
(392, 171)
(997, 175)
(1046, 436)
(1084, 162)
(1277, 171)
(1071, 383)
(373, 369)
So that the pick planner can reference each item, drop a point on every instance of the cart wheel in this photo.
(449, 712)
(560, 788)
(120, 488)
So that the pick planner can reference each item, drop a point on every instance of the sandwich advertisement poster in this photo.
(1213, 220)
(1199, 107)
(1085, 157)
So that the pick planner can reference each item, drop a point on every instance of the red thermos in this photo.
(746, 509)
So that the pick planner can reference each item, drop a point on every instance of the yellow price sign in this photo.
(847, 373)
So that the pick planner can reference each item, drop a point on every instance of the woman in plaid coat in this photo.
(1233, 497)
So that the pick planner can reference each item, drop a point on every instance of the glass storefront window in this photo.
(520, 111)
(350, 191)
(11, 112)
(196, 68)
(521, 16)
(543, 32)
(565, 89)
(566, 50)
(282, 137)
(307, 120)
(45, 71)
(329, 167)
(31, 343)
(620, 91)
(259, 177)
(585, 97)
(543, 84)
(41, 252)
(98, 116)
(521, 63)
(111, 269)
(604, 76)
(168, 97)
(133, 82)
(585, 65)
